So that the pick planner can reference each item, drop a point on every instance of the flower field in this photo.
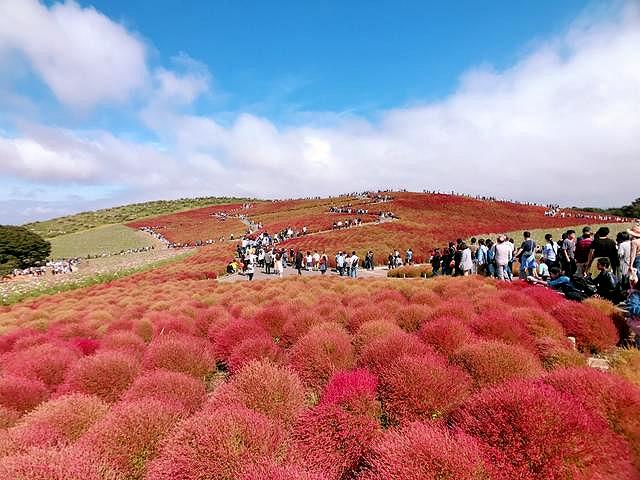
(170, 375)
(424, 221)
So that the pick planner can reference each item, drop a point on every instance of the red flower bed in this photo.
(531, 431)
(594, 331)
(425, 450)
(217, 445)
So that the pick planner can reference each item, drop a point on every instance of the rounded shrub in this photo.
(125, 440)
(274, 471)
(333, 441)
(255, 348)
(324, 350)
(48, 464)
(225, 339)
(446, 334)
(382, 351)
(275, 392)
(425, 451)
(46, 362)
(21, 394)
(371, 330)
(421, 388)
(411, 317)
(180, 353)
(490, 362)
(105, 374)
(125, 342)
(168, 387)
(354, 391)
(532, 431)
(613, 398)
(217, 445)
(594, 331)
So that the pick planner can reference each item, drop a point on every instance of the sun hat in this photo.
(635, 231)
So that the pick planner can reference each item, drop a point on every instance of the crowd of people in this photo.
(57, 267)
(579, 266)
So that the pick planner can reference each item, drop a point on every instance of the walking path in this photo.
(379, 272)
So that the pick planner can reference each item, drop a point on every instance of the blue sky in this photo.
(105, 102)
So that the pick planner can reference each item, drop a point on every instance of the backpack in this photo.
(579, 289)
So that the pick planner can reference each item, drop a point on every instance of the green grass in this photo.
(539, 233)
(87, 281)
(123, 214)
(105, 239)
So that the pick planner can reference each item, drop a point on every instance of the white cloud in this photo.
(83, 57)
(562, 124)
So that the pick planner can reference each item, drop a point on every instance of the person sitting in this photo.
(543, 270)
(606, 282)
(557, 280)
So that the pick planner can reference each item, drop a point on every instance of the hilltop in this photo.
(125, 213)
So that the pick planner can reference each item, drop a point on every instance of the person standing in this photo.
(279, 267)
(569, 264)
(583, 245)
(624, 254)
(526, 256)
(249, 269)
(353, 261)
(550, 251)
(340, 263)
(504, 255)
(481, 257)
(435, 261)
(299, 261)
(634, 256)
(603, 247)
(466, 260)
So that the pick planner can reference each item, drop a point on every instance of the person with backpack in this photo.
(550, 251)
(581, 252)
(526, 256)
(606, 282)
(603, 247)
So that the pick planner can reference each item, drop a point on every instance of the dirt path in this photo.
(379, 272)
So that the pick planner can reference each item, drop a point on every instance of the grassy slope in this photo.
(539, 233)
(126, 213)
(99, 240)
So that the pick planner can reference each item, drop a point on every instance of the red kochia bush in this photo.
(87, 346)
(21, 394)
(532, 431)
(330, 440)
(369, 331)
(66, 418)
(169, 387)
(445, 334)
(353, 391)
(385, 349)
(67, 464)
(273, 391)
(411, 317)
(46, 362)
(615, 399)
(227, 338)
(421, 388)
(491, 362)
(499, 325)
(423, 451)
(105, 374)
(217, 445)
(594, 331)
(324, 350)
(8, 416)
(273, 471)
(180, 353)
(126, 439)
(255, 348)
(126, 342)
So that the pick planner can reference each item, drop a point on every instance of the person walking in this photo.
(299, 261)
(581, 253)
(279, 267)
(249, 269)
(526, 256)
(354, 264)
(466, 259)
(340, 263)
(504, 255)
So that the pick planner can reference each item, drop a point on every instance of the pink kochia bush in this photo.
(532, 431)
(49, 464)
(218, 445)
(354, 391)
(613, 398)
(383, 350)
(275, 392)
(176, 388)
(324, 350)
(106, 374)
(490, 362)
(273, 471)
(421, 388)
(255, 348)
(21, 394)
(180, 353)
(47, 362)
(594, 331)
(57, 422)
(331, 440)
(424, 451)
(126, 439)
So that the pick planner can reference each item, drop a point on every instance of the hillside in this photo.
(125, 213)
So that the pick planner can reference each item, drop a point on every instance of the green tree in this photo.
(21, 248)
